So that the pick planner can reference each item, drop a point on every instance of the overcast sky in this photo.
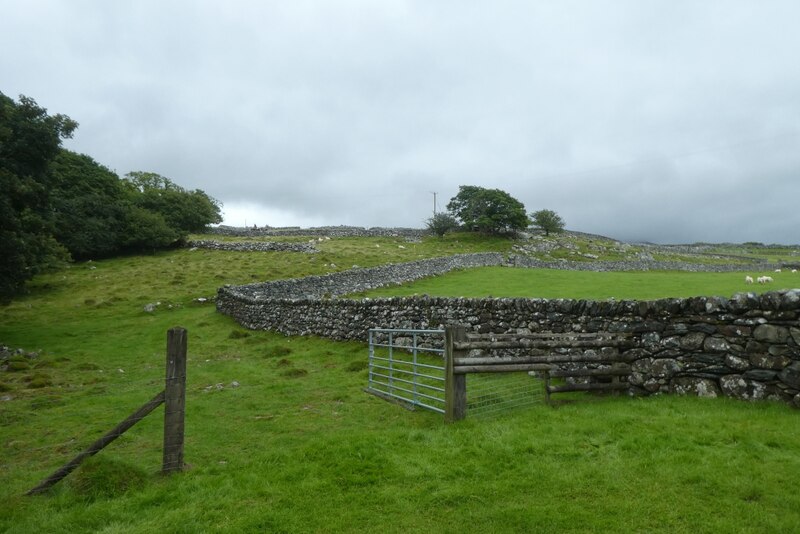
(668, 121)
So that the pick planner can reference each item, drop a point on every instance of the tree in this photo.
(441, 223)
(146, 230)
(548, 220)
(183, 210)
(488, 210)
(90, 206)
(29, 141)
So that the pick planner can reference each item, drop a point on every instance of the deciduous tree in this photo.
(29, 140)
(547, 220)
(183, 210)
(488, 210)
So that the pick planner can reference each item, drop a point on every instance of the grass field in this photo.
(298, 446)
(552, 283)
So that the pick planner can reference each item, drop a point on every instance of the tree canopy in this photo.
(183, 210)
(547, 220)
(488, 210)
(89, 206)
(55, 203)
(29, 140)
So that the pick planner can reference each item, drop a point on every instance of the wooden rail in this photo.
(546, 355)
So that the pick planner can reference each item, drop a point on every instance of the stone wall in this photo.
(324, 231)
(638, 265)
(746, 347)
(245, 246)
(358, 280)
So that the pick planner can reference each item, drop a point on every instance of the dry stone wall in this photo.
(357, 280)
(324, 231)
(747, 346)
(245, 246)
(638, 265)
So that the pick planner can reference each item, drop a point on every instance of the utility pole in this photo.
(434, 202)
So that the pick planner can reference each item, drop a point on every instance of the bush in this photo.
(441, 223)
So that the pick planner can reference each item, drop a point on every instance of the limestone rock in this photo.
(771, 333)
(737, 387)
(768, 361)
(665, 368)
(791, 375)
(735, 363)
(692, 341)
(715, 344)
(701, 387)
(762, 375)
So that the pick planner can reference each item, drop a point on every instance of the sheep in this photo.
(794, 270)
(777, 270)
(748, 279)
(764, 279)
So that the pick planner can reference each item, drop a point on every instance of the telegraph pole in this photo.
(434, 202)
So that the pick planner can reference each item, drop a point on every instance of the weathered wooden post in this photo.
(455, 385)
(174, 400)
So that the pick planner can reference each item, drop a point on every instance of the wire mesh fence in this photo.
(489, 394)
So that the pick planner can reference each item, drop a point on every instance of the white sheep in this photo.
(748, 279)
(777, 270)
(794, 270)
(764, 279)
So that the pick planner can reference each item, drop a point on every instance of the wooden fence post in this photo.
(455, 386)
(174, 400)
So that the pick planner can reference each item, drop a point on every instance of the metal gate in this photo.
(408, 366)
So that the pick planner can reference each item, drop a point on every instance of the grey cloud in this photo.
(664, 120)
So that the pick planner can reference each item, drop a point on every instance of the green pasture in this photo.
(297, 446)
(553, 283)
(771, 253)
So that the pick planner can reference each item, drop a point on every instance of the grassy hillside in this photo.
(297, 446)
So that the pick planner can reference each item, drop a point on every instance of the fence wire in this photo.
(490, 394)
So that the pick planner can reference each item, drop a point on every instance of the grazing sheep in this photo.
(764, 279)
(794, 270)
(777, 270)
(748, 279)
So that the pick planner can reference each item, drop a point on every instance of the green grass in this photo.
(552, 283)
(299, 447)
(773, 253)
